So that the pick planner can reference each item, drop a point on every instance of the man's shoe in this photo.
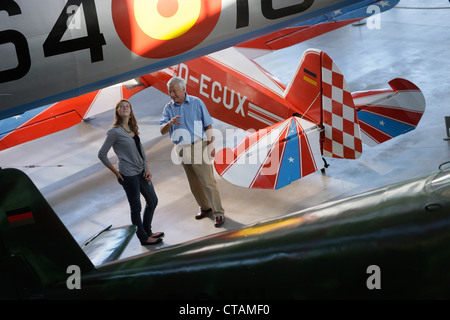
(203, 213)
(218, 221)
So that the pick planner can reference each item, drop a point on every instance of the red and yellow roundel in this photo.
(164, 28)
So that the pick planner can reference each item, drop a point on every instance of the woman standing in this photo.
(133, 173)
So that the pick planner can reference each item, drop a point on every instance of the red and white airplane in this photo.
(54, 62)
(293, 125)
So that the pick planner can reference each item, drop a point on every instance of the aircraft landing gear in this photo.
(325, 165)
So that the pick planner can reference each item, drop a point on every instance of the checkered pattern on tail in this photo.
(342, 133)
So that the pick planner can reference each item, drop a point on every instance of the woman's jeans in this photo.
(134, 186)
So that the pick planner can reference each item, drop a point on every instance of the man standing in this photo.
(190, 126)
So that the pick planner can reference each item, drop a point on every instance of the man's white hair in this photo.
(177, 80)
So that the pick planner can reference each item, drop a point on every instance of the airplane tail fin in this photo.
(305, 89)
(387, 113)
(35, 247)
(319, 92)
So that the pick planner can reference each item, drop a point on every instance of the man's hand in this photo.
(211, 150)
(165, 128)
(174, 120)
(148, 175)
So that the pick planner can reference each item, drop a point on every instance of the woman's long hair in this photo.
(132, 122)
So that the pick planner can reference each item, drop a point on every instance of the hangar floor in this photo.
(412, 43)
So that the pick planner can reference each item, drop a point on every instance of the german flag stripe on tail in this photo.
(310, 74)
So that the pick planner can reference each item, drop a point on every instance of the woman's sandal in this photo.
(158, 235)
(145, 243)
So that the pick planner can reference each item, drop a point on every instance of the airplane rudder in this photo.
(341, 138)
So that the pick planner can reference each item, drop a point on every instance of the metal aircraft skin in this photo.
(53, 50)
(398, 234)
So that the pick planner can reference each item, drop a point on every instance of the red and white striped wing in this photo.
(273, 157)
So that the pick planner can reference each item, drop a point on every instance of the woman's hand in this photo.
(119, 176)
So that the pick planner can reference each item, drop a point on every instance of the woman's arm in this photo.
(103, 153)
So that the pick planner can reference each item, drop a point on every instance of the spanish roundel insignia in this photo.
(160, 29)
(20, 217)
